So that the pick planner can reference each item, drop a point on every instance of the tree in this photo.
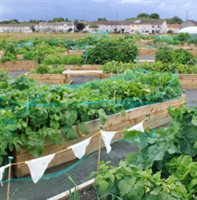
(147, 16)
(143, 16)
(174, 20)
(102, 19)
(57, 19)
(155, 16)
(79, 26)
(11, 21)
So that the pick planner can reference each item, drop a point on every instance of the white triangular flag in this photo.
(137, 127)
(38, 166)
(79, 149)
(107, 138)
(2, 169)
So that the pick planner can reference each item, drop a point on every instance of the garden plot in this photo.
(147, 164)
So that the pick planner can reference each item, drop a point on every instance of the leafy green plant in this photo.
(63, 60)
(46, 114)
(164, 167)
(48, 69)
(110, 49)
(119, 67)
(3, 76)
(181, 56)
(164, 55)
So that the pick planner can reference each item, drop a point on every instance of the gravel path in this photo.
(15, 74)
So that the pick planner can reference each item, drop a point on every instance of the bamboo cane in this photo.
(9, 177)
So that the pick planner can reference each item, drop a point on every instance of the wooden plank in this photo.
(82, 67)
(156, 115)
(146, 52)
(188, 81)
(18, 65)
(83, 73)
(50, 78)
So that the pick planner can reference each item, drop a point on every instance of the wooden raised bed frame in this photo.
(188, 81)
(18, 65)
(82, 67)
(156, 115)
(50, 78)
(146, 52)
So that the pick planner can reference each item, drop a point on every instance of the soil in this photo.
(87, 194)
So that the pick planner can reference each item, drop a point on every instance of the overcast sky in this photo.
(92, 9)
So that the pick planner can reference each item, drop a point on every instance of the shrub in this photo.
(111, 49)
(164, 55)
(48, 69)
(63, 60)
(181, 56)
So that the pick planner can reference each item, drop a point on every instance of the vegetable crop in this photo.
(164, 167)
(32, 115)
(119, 67)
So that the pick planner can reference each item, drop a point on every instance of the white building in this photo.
(129, 26)
(15, 28)
(54, 27)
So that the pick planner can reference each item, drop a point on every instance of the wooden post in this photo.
(99, 153)
(9, 177)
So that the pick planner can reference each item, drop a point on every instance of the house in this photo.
(188, 23)
(129, 26)
(174, 28)
(25, 28)
(54, 27)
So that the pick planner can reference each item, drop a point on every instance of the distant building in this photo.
(54, 27)
(188, 23)
(25, 28)
(129, 26)
(174, 28)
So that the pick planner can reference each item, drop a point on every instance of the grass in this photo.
(22, 36)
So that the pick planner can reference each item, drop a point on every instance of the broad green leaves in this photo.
(40, 114)
(164, 167)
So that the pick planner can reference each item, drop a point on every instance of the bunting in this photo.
(2, 169)
(138, 127)
(38, 166)
(107, 138)
(79, 149)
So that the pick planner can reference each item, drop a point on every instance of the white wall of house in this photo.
(131, 28)
(164, 28)
(15, 28)
(52, 27)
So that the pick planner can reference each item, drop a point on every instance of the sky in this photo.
(92, 9)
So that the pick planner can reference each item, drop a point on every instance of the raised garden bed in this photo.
(146, 52)
(188, 81)
(156, 115)
(50, 78)
(18, 65)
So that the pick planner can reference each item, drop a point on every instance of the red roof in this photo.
(174, 26)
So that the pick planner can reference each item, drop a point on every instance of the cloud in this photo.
(135, 1)
(92, 9)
